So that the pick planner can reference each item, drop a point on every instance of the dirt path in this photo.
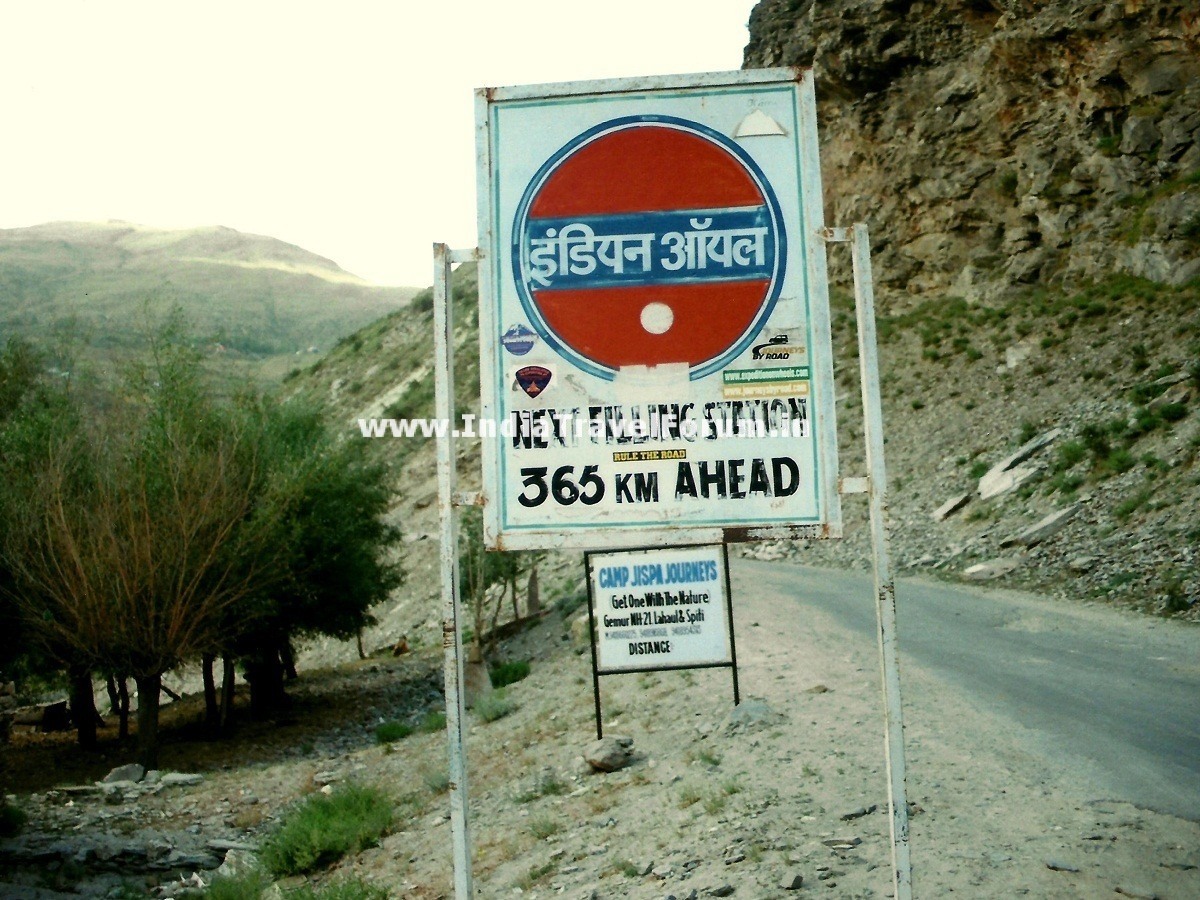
(1110, 695)
(996, 818)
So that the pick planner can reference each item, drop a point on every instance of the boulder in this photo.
(997, 482)
(1009, 474)
(751, 715)
(180, 779)
(950, 507)
(1027, 450)
(609, 754)
(1050, 525)
(1179, 393)
(993, 568)
(132, 772)
(238, 863)
(1139, 135)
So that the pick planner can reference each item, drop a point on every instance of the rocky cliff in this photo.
(992, 143)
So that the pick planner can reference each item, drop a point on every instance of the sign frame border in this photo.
(605, 536)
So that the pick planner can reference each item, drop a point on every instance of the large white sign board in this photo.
(660, 609)
(654, 322)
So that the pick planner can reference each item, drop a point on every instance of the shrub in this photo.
(1172, 412)
(689, 795)
(1095, 439)
(714, 803)
(249, 886)
(350, 889)
(1119, 461)
(324, 828)
(568, 603)
(12, 820)
(509, 672)
(387, 732)
(546, 785)
(493, 706)
(432, 721)
(536, 874)
(423, 302)
(542, 828)
(436, 780)
(1128, 507)
(1066, 483)
(1070, 454)
(709, 758)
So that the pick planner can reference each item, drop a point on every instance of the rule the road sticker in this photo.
(654, 323)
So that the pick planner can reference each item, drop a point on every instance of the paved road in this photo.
(1117, 692)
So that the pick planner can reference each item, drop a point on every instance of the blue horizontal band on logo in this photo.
(648, 248)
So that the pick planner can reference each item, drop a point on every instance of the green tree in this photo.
(22, 393)
(325, 504)
(478, 570)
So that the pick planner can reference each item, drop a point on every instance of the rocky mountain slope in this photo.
(991, 143)
(252, 295)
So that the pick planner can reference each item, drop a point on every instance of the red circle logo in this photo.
(647, 241)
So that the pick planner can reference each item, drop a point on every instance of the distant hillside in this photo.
(247, 294)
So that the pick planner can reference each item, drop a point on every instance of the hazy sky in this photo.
(346, 128)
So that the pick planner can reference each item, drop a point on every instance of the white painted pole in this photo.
(885, 588)
(443, 325)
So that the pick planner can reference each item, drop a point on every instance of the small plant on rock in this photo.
(509, 672)
(389, 732)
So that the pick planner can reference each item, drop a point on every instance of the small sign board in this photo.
(654, 317)
(661, 608)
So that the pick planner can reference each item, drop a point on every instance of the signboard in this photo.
(660, 609)
(654, 323)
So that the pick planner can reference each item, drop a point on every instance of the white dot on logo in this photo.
(657, 318)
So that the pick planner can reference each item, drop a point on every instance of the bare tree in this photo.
(132, 544)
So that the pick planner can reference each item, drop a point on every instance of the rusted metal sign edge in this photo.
(738, 78)
(621, 538)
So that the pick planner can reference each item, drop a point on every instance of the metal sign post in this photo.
(885, 587)
(443, 320)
